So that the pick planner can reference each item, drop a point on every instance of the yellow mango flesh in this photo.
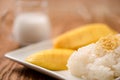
(82, 36)
(53, 59)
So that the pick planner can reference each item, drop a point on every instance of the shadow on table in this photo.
(29, 74)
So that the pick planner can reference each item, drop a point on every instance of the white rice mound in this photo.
(98, 61)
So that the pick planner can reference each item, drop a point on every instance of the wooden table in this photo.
(62, 18)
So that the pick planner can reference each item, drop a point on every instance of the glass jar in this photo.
(31, 23)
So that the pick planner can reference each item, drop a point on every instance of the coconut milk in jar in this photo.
(31, 24)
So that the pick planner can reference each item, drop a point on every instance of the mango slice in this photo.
(82, 36)
(53, 59)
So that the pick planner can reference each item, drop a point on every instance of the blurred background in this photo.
(63, 15)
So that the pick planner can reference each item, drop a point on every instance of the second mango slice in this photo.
(82, 36)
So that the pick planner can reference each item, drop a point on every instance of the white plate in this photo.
(21, 54)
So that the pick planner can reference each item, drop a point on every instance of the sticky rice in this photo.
(97, 61)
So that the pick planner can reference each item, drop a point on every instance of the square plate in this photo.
(21, 54)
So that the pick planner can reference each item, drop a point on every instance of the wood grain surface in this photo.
(64, 15)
